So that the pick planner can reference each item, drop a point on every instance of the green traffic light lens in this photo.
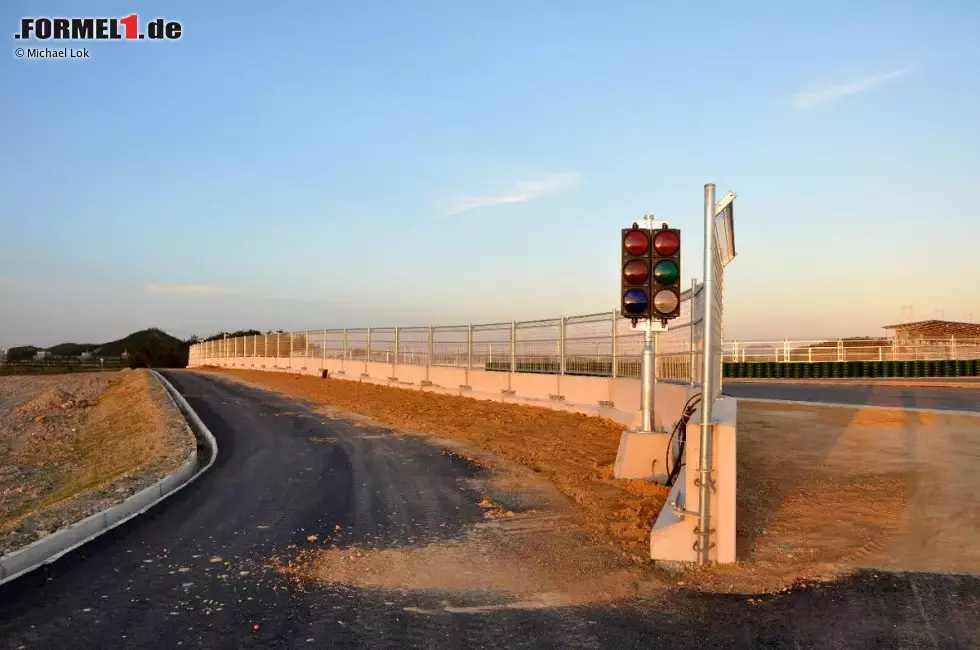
(665, 272)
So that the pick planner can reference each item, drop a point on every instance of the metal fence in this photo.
(601, 344)
(852, 350)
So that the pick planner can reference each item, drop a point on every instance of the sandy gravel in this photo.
(74, 444)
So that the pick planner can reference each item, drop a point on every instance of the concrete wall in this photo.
(673, 535)
(616, 399)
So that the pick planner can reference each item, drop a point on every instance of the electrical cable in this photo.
(680, 432)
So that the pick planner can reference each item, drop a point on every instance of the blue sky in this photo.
(328, 164)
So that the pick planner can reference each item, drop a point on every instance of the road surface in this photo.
(161, 581)
(923, 397)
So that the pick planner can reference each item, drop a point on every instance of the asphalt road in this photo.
(924, 397)
(284, 471)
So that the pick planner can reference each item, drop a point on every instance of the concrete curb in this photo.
(47, 550)
(855, 406)
(971, 382)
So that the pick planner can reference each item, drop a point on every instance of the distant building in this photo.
(41, 355)
(3, 355)
(933, 329)
(85, 356)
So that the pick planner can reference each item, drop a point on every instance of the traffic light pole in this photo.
(648, 384)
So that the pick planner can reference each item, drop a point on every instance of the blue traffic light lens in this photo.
(635, 301)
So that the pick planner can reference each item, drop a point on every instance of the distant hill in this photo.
(151, 347)
(21, 353)
(71, 349)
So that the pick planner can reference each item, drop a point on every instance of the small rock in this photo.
(39, 419)
(42, 533)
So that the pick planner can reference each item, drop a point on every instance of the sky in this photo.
(340, 164)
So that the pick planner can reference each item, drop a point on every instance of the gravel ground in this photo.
(72, 445)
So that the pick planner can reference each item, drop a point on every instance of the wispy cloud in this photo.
(521, 192)
(180, 288)
(806, 99)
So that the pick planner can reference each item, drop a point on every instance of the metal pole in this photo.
(707, 382)
(395, 364)
(693, 373)
(469, 347)
(615, 343)
(561, 344)
(343, 361)
(430, 346)
(648, 379)
(513, 346)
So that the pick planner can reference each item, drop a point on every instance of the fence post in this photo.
(561, 344)
(513, 346)
(469, 349)
(690, 326)
(428, 353)
(394, 364)
(343, 360)
(613, 371)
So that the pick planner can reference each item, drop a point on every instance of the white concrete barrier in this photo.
(616, 399)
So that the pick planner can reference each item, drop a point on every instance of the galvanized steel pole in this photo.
(615, 343)
(707, 381)
(648, 379)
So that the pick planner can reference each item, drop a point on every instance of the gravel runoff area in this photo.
(74, 444)
(823, 491)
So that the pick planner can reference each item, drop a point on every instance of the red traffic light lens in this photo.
(635, 272)
(636, 242)
(666, 243)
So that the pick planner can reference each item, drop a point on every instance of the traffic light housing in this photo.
(636, 248)
(665, 273)
(650, 277)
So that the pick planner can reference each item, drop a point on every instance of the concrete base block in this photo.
(642, 455)
(672, 537)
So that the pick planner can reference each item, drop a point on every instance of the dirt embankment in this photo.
(822, 491)
(71, 445)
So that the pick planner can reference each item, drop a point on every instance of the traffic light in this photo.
(665, 282)
(636, 271)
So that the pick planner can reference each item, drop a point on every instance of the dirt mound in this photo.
(52, 398)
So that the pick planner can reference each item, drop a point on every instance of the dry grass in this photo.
(130, 438)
